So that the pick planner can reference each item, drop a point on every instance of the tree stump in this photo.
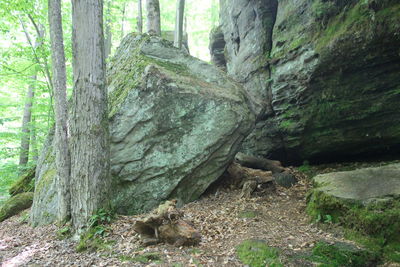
(165, 224)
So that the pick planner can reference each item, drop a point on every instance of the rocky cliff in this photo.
(176, 123)
(323, 75)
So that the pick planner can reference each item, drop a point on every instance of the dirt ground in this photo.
(224, 219)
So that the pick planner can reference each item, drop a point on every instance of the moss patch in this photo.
(16, 204)
(256, 253)
(25, 183)
(247, 214)
(342, 254)
(375, 225)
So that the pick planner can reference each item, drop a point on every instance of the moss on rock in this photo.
(342, 254)
(25, 183)
(16, 204)
(377, 218)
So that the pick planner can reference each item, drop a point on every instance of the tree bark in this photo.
(24, 151)
(140, 17)
(180, 8)
(123, 20)
(153, 17)
(61, 110)
(35, 151)
(89, 121)
(108, 33)
(26, 120)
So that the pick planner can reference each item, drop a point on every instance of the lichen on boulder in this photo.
(176, 123)
(15, 205)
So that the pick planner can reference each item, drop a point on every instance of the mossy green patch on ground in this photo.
(256, 253)
(342, 255)
(374, 224)
(247, 214)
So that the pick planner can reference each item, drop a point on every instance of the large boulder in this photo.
(322, 74)
(176, 123)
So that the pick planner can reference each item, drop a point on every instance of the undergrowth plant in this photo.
(97, 228)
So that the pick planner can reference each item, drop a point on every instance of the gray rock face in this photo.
(361, 185)
(217, 47)
(323, 78)
(45, 200)
(247, 28)
(175, 125)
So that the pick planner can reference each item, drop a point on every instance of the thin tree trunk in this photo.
(140, 17)
(123, 20)
(180, 8)
(153, 17)
(108, 33)
(35, 152)
(26, 119)
(89, 121)
(63, 161)
(24, 152)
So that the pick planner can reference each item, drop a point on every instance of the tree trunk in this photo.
(123, 20)
(140, 17)
(89, 121)
(26, 120)
(153, 17)
(35, 152)
(24, 152)
(108, 37)
(63, 160)
(180, 8)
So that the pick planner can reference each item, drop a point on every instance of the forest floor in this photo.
(224, 219)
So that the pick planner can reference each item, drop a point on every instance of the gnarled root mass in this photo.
(165, 224)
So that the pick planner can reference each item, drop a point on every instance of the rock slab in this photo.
(362, 184)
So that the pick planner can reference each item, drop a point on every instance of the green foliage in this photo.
(375, 225)
(24, 217)
(323, 10)
(256, 253)
(305, 167)
(92, 238)
(64, 232)
(341, 254)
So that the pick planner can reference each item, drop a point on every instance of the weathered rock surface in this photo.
(44, 207)
(176, 124)
(217, 47)
(15, 205)
(367, 200)
(247, 27)
(169, 35)
(361, 185)
(324, 75)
